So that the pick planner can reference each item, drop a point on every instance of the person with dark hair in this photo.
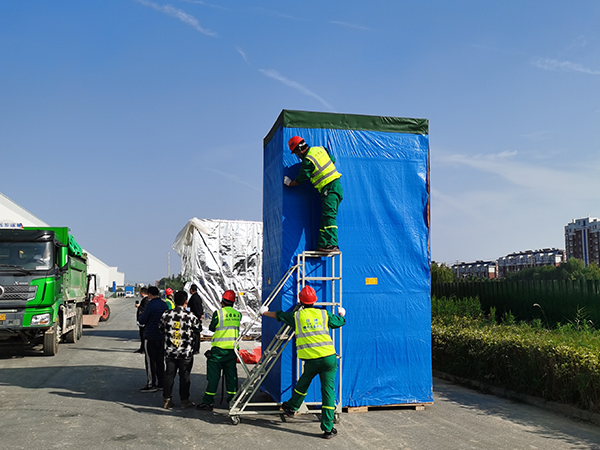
(178, 326)
(153, 340)
(140, 309)
(225, 324)
(195, 305)
(318, 166)
(313, 346)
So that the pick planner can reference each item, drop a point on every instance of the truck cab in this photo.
(42, 286)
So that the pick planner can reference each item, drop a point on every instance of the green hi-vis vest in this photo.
(325, 171)
(312, 334)
(169, 303)
(228, 328)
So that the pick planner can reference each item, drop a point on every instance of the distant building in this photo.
(515, 262)
(581, 240)
(477, 269)
(12, 212)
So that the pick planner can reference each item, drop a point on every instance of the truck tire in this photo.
(105, 314)
(71, 336)
(79, 333)
(51, 339)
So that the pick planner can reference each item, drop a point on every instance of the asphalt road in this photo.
(87, 397)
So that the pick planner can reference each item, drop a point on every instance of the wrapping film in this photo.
(218, 255)
(384, 238)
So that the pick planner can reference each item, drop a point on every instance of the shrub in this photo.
(559, 365)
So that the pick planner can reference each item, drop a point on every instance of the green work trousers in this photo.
(326, 368)
(220, 360)
(331, 197)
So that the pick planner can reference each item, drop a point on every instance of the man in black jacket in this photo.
(140, 309)
(195, 305)
(153, 340)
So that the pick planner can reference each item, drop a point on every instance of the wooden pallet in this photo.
(363, 409)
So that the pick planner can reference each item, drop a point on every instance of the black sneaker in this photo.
(288, 410)
(205, 407)
(330, 434)
(139, 350)
(168, 404)
(185, 404)
(148, 389)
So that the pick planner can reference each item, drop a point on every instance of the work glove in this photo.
(263, 309)
(287, 180)
(341, 312)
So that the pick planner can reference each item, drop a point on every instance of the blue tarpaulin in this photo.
(383, 225)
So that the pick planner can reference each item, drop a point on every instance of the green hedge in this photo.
(559, 365)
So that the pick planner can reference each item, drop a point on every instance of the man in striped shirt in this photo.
(178, 326)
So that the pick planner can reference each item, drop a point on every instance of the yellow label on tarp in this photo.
(369, 281)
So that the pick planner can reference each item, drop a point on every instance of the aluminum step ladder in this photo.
(242, 401)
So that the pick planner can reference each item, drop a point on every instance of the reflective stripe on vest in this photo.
(228, 328)
(312, 334)
(325, 171)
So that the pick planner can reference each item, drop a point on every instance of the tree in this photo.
(573, 269)
(174, 282)
(441, 273)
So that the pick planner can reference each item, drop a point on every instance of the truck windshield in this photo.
(26, 255)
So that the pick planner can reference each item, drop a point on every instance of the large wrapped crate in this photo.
(383, 225)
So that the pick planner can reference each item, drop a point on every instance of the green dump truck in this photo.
(43, 282)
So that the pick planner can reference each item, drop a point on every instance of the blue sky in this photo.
(125, 119)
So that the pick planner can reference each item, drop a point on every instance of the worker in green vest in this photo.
(225, 324)
(318, 165)
(314, 346)
(169, 298)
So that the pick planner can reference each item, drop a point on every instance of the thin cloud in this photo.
(534, 177)
(562, 66)
(349, 25)
(198, 2)
(243, 54)
(295, 85)
(234, 178)
(186, 18)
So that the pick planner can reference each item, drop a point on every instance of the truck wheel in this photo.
(105, 313)
(79, 328)
(71, 336)
(51, 339)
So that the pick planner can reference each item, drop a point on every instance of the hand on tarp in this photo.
(287, 180)
(341, 312)
(263, 309)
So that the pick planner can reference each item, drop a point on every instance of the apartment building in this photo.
(582, 240)
(477, 269)
(515, 262)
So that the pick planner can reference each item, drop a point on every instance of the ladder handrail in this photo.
(282, 338)
(267, 302)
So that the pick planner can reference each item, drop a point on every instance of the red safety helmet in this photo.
(293, 143)
(229, 296)
(168, 291)
(308, 296)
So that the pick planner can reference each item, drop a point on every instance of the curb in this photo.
(560, 408)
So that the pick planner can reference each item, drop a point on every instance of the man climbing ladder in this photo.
(315, 347)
